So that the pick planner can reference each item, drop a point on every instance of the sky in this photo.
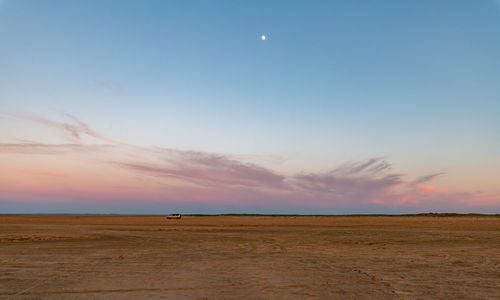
(180, 106)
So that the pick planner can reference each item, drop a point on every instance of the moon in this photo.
(263, 37)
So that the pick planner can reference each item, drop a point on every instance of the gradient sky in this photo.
(165, 106)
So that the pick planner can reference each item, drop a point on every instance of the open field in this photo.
(249, 257)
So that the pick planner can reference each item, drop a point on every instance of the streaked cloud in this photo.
(110, 85)
(424, 179)
(74, 129)
(357, 181)
(427, 188)
(223, 176)
(45, 173)
(41, 148)
(207, 168)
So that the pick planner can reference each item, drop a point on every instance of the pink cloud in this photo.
(427, 188)
(45, 173)
(41, 148)
(74, 131)
(161, 173)
(205, 168)
(356, 181)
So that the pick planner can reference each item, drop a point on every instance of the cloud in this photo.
(370, 166)
(427, 188)
(85, 129)
(40, 148)
(74, 131)
(109, 85)
(219, 177)
(369, 181)
(424, 179)
(196, 167)
(357, 182)
(45, 173)
(207, 169)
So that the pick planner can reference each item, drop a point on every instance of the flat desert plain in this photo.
(249, 257)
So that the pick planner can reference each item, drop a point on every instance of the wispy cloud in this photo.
(45, 173)
(110, 85)
(71, 131)
(366, 182)
(41, 148)
(359, 181)
(206, 168)
(74, 131)
(424, 179)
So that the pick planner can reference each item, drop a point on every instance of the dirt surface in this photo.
(224, 257)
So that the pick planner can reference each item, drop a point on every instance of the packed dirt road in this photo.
(249, 257)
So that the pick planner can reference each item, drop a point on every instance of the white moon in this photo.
(263, 37)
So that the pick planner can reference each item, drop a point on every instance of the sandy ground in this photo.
(131, 257)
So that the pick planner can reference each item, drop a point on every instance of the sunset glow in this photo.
(184, 109)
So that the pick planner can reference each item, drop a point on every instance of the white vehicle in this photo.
(174, 216)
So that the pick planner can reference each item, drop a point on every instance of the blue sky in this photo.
(414, 82)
